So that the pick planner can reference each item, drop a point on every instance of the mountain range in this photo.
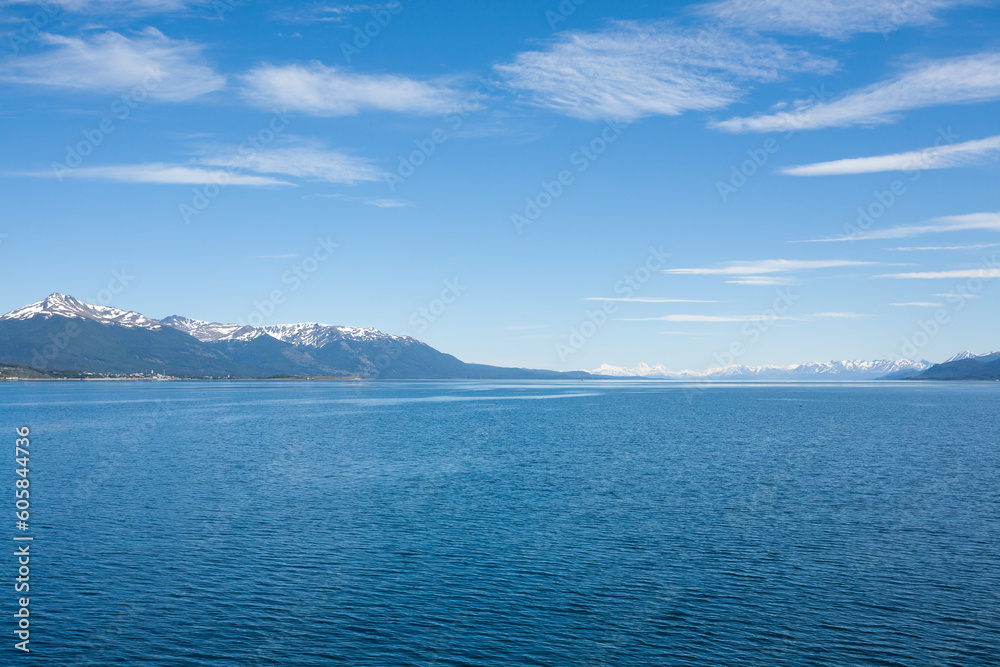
(965, 366)
(813, 371)
(61, 333)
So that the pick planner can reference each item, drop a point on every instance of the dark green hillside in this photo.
(965, 369)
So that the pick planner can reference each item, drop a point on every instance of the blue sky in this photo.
(770, 182)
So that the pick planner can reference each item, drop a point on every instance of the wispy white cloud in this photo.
(978, 246)
(687, 333)
(740, 318)
(763, 281)
(964, 80)
(838, 315)
(964, 154)
(932, 275)
(769, 266)
(368, 201)
(835, 19)
(227, 165)
(306, 160)
(388, 203)
(332, 91)
(645, 299)
(112, 6)
(705, 318)
(632, 70)
(164, 69)
(957, 295)
(325, 12)
(917, 304)
(158, 172)
(954, 223)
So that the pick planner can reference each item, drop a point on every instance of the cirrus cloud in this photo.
(644, 299)
(229, 165)
(939, 157)
(769, 266)
(162, 173)
(169, 70)
(963, 80)
(933, 275)
(320, 90)
(118, 7)
(306, 160)
(632, 70)
(952, 223)
(837, 20)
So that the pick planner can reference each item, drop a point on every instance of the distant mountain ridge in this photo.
(961, 356)
(832, 370)
(312, 334)
(61, 332)
(965, 366)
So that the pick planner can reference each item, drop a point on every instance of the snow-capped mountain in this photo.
(966, 366)
(63, 305)
(987, 356)
(313, 334)
(113, 341)
(210, 332)
(644, 370)
(832, 370)
(305, 334)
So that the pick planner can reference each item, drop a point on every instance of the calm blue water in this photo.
(509, 524)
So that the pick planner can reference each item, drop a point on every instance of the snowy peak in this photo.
(313, 334)
(816, 370)
(987, 356)
(211, 332)
(307, 334)
(640, 370)
(63, 305)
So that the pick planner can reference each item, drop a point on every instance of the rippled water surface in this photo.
(510, 524)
